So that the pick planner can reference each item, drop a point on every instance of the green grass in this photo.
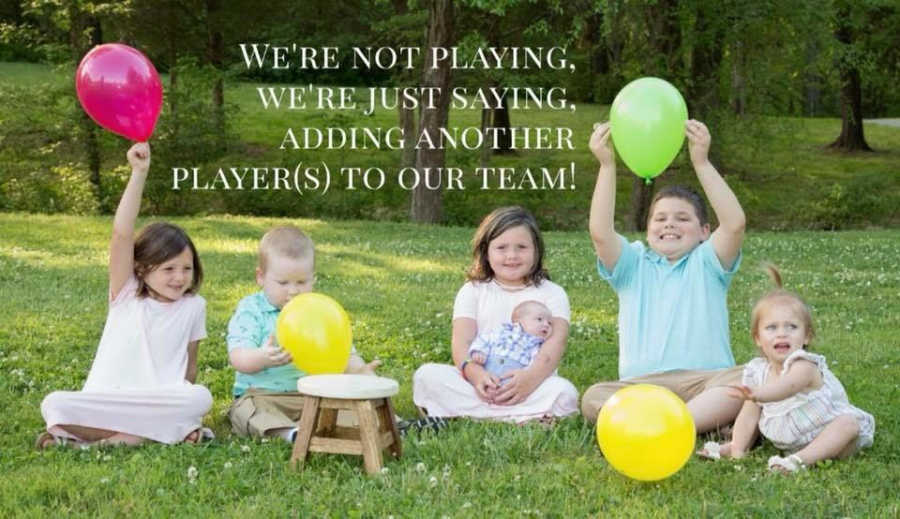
(778, 166)
(398, 281)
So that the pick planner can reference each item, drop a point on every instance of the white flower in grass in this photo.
(192, 473)
(467, 505)
(245, 448)
(227, 465)
(420, 467)
(432, 482)
(104, 480)
(385, 470)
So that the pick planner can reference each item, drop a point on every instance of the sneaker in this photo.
(428, 423)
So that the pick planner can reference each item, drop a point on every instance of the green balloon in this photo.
(647, 124)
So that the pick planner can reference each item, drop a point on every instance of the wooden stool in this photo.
(368, 396)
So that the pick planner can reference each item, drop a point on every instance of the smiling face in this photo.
(781, 330)
(511, 256)
(535, 320)
(172, 278)
(284, 278)
(674, 228)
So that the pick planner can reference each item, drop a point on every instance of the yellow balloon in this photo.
(315, 329)
(646, 432)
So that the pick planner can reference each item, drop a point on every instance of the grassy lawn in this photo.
(778, 166)
(398, 281)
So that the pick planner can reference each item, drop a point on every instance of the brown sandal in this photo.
(45, 440)
(194, 437)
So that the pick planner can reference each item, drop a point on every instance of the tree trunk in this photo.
(173, 85)
(426, 203)
(738, 90)
(501, 122)
(79, 21)
(486, 123)
(216, 55)
(406, 116)
(851, 137)
(812, 81)
(641, 195)
(408, 124)
(706, 58)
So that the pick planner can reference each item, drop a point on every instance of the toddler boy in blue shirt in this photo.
(265, 384)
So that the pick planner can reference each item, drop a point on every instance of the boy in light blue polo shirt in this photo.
(673, 317)
(265, 384)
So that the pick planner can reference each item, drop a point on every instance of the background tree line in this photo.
(729, 58)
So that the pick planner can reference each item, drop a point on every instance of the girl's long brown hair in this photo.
(499, 221)
(156, 244)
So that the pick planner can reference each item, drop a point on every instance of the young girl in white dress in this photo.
(507, 269)
(790, 394)
(141, 384)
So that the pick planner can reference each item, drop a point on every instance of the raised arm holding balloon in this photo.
(142, 382)
(673, 317)
(729, 235)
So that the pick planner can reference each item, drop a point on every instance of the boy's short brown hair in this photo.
(285, 240)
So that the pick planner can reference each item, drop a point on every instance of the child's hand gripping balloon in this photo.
(600, 144)
(139, 157)
(274, 354)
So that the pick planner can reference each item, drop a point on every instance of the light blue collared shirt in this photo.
(671, 316)
(252, 323)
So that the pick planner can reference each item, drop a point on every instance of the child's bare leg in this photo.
(837, 440)
(88, 435)
(124, 439)
(713, 408)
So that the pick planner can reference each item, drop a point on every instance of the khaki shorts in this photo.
(257, 412)
(685, 383)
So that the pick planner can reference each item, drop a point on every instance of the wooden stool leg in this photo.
(389, 421)
(327, 419)
(368, 435)
(305, 428)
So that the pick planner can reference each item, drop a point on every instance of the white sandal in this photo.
(786, 465)
(710, 451)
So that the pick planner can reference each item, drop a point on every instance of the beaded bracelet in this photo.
(462, 368)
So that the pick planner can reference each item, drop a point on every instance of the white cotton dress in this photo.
(137, 381)
(793, 423)
(441, 389)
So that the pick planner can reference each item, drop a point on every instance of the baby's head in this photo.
(781, 321)
(166, 263)
(508, 247)
(677, 222)
(286, 264)
(534, 317)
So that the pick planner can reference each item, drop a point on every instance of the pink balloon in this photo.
(120, 89)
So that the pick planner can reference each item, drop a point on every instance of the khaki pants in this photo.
(257, 412)
(685, 383)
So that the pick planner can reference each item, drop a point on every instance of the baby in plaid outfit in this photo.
(513, 345)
